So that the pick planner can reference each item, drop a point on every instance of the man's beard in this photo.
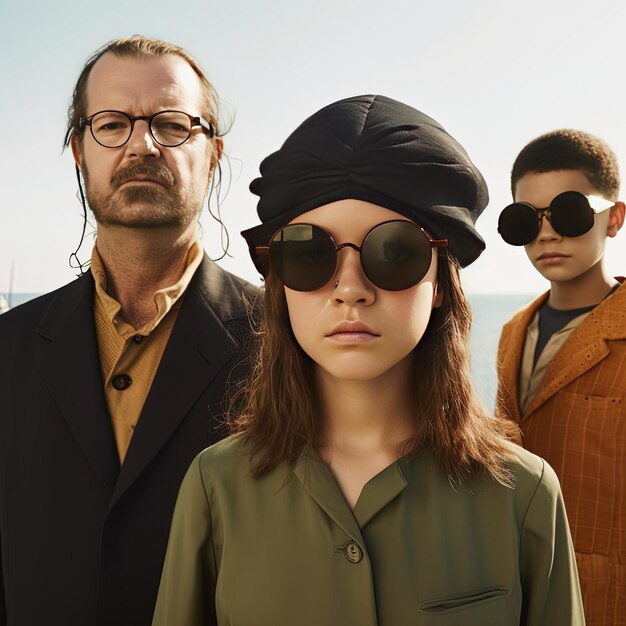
(142, 206)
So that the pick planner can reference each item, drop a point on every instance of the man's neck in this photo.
(140, 262)
(588, 289)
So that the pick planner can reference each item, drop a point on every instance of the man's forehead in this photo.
(136, 81)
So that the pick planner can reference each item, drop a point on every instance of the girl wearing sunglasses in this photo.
(364, 484)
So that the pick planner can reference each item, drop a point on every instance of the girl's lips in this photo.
(353, 337)
(353, 332)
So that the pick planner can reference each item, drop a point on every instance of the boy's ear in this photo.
(616, 219)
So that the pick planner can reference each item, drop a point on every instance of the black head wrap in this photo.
(379, 150)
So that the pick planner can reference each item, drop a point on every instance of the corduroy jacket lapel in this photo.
(584, 348)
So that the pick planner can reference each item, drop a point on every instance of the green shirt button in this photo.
(352, 551)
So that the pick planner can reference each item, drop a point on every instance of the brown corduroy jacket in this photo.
(577, 422)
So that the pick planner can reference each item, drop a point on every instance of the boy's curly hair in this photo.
(569, 149)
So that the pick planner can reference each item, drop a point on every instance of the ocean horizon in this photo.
(489, 313)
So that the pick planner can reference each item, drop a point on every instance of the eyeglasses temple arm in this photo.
(206, 125)
(439, 243)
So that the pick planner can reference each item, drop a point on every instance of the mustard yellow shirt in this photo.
(130, 357)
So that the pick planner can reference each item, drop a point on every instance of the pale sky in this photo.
(494, 73)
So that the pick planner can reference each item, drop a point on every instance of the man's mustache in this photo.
(157, 173)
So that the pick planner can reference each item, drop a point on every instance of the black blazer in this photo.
(82, 539)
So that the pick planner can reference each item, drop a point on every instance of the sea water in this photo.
(489, 313)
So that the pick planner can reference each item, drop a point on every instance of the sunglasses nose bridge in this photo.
(350, 273)
(546, 230)
(339, 263)
(341, 246)
(540, 214)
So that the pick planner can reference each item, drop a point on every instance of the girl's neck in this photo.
(364, 424)
(365, 417)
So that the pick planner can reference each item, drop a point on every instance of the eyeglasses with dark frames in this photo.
(112, 129)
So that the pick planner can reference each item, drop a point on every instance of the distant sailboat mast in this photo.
(5, 304)
(11, 275)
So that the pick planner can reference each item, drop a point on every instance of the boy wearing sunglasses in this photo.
(562, 359)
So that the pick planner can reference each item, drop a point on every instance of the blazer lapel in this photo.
(66, 353)
(199, 347)
(584, 348)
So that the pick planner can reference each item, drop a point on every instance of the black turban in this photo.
(379, 150)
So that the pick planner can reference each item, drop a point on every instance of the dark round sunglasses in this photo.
(395, 255)
(571, 214)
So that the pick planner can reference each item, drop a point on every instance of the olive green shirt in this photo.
(286, 549)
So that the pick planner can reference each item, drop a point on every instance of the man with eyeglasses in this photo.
(562, 358)
(111, 385)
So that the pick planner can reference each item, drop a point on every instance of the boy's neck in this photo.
(588, 289)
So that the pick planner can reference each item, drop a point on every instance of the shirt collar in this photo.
(378, 492)
(165, 299)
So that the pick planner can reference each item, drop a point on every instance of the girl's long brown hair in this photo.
(277, 412)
